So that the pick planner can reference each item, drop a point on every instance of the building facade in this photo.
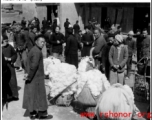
(129, 15)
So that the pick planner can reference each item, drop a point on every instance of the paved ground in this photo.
(15, 111)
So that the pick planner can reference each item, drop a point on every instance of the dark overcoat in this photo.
(6, 76)
(34, 90)
(31, 40)
(57, 48)
(87, 38)
(9, 52)
(71, 51)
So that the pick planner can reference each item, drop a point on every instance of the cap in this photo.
(130, 33)
(119, 38)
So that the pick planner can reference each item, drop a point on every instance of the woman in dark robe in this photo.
(6, 76)
(10, 56)
(71, 50)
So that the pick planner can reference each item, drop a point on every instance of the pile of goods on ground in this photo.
(120, 97)
(96, 81)
(61, 75)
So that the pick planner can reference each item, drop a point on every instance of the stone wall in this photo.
(67, 10)
(29, 10)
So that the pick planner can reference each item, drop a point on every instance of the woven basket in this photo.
(140, 89)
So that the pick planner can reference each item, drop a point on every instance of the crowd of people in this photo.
(23, 42)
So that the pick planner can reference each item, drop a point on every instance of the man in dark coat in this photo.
(32, 35)
(97, 47)
(10, 56)
(76, 27)
(87, 40)
(20, 46)
(54, 25)
(131, 44)
(145, 44)
(66, 25)
(48, 41)
(44, 23)
(57, 39)
(23, 22)
(105, 55)
(71, 50)
(34, 92)
(145, 51)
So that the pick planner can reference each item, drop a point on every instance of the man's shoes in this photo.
(44, 117)
(33, 117)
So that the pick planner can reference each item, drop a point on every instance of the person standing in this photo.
(87, 40)
(97, 48)
(145, 52)
(71, 50)
(34, 99)
(54, 25)
(32, 35)
(118, 57)
(57, 39)
(23, 22)
(10, 56)
(105, 55)
(66, 25)
(37, 23)
(20, 46)
(10, 36)
(76, 27)
(48, 41)
(145, 44)
(137, 36)
(6, 76)
(131, 44)
(44, 23)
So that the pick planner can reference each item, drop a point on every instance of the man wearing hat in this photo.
(131, 44)
(118, 57)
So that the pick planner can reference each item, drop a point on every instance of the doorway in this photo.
(52, 12)
(103, 16)
(140, 22)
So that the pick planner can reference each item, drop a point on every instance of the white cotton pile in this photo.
(85, 64)
(96, 81)
(61, 75)
(116, 100)
(50, 61)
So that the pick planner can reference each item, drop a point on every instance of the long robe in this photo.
(9, 52)
(71, 51)
(6, 76)
(87, 38)
(34, 91)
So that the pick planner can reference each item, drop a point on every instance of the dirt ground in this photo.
(16, 112)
